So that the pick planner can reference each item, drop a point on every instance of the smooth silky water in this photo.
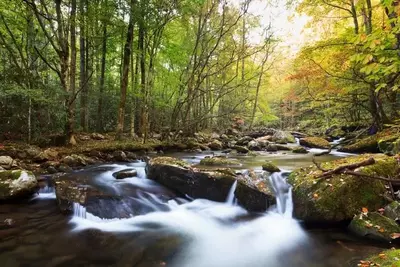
(170, 230)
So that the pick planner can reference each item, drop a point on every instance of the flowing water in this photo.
(159, 228)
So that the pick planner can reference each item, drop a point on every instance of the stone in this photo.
(127, 173)
(215, 145)
(212, 184)
(219, 161)
(374, 225)
(244, 141)
(254, 146)
(270, 167)
(120, 156)
(299, 150)
(16, 184)
(315, 142)
(282, 147)
(215, 136)
(131, 155)
(272, 148)
(64, 168)
(97, 136)
(74, 161)
(392, 211)
(389, 147)
(283, 137)
(7, 162)
(51, 170)
(341, 196)
(241, 149)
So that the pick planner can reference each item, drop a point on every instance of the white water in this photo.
(46, 192)
(231, 196)
(218, 238)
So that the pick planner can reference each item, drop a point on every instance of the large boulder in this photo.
(341, 196)
(17, 183)
(315, 142)
(371, 143)
(283, 137)
(374, 225)
(389, 147)
(392, 211)
(213, 184)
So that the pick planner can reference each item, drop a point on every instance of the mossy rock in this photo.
(283, 137)
(387, 258)
(241, 149)
(392, 211)
(219, 161)
(16, 184)
(299, 150)
(374, 225)
(389, 147)
(315, 142)
(341, 196)
(270, 167)
(371, 143)
(212, 184)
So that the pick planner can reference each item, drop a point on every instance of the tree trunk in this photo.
(82, 61)
(125, 74)
(72, 74)
(100, 126)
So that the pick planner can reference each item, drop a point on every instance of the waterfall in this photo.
(283, 194)
(231, 196)
(297, 141)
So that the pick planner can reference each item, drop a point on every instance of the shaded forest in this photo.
(154, 66)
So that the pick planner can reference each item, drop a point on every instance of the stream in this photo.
(167, 230)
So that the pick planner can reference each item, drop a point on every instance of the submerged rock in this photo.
(341, 196)
(127, 173)
(270, 167)
(299, 150)
(375, 226)
(17, 183)
(315, 142)
(213, 184)
(219, 161)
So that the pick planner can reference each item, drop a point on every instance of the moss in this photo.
(388, 258)
(219, 161)
(169, 161)
(314, 142)
(374, 225)
(371, 143)
(341, 196)
(270, 167)
(13, 175)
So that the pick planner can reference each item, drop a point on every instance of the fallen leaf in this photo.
(381, 210)
(315, 195)
(381, 230)
(395, 235)
(364, 210)
(382, 255)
